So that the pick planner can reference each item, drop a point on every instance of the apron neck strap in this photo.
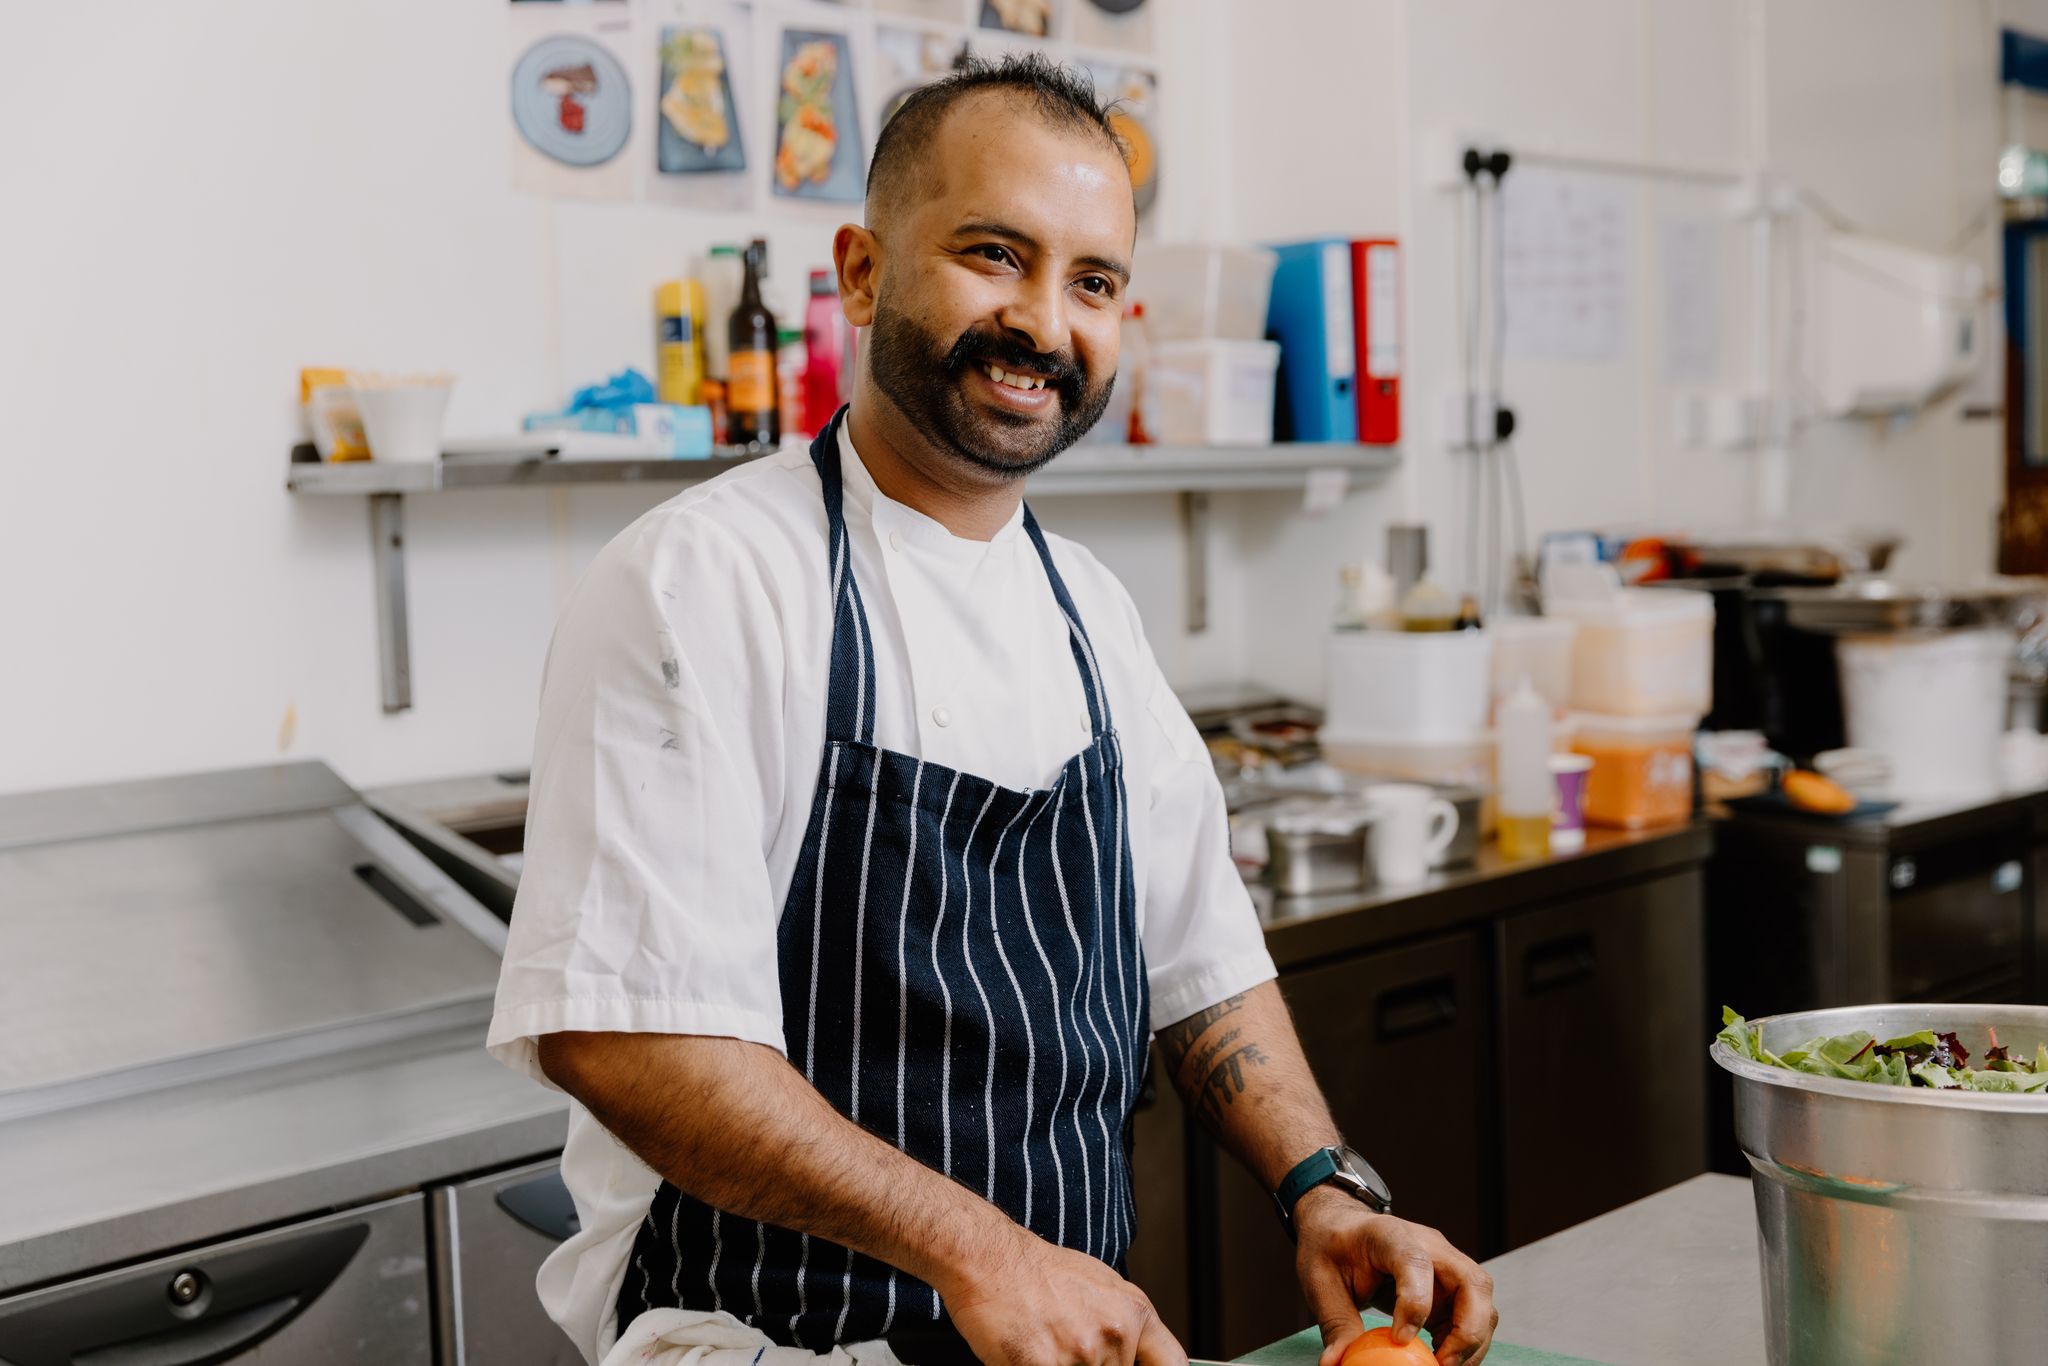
(850, 696)
(850, 699)
(1077, 634)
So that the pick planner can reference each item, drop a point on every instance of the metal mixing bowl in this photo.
(1897, 1224)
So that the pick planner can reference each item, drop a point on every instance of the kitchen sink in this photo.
(474, 830)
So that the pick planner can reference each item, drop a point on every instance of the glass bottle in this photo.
(752, 405)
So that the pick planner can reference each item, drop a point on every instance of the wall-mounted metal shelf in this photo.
(1193, 472)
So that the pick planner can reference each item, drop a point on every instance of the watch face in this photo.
(1369, 1182)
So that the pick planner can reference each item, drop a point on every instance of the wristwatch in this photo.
(1342, 1168)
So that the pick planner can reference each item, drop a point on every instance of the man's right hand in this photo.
(1028, 1302)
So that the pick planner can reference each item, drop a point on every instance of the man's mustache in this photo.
(1061, 370)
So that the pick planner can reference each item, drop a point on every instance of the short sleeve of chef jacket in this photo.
(673, 776)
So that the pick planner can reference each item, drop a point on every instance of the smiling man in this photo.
(868, 848)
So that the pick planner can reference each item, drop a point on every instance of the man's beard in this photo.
(926, 377)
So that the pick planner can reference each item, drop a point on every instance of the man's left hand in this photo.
(1343, 1252)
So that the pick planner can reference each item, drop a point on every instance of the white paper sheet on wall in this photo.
(1689, 259)
(1565, 255)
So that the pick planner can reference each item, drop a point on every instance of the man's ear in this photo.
(857, 255)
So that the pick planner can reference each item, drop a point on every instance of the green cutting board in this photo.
(1304, 1347)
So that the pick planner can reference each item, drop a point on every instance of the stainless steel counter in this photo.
(1671, 1280)
(1300, 929)
(99, 1184)
(126, 1177)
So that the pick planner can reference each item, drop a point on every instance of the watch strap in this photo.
(1318, 1167)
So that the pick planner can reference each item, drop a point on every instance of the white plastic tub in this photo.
(1195, 290)
(1932, 705)
(1461, 763)
(1641, 651)
(401, 417)
(1408, 686)
(1212, 393)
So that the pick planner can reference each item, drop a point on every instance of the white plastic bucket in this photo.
(1196, 290)
(1642, 652)
(402, 418)
(1409, 686)
(1933, 705)
(1212, 393)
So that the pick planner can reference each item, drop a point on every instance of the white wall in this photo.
(200, 199)
(1888, 110)
(176, 246)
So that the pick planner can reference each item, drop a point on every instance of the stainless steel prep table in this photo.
(240, 1047)
(1671, 1280)
(102, 1184)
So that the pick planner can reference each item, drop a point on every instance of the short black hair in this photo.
(1062, 95)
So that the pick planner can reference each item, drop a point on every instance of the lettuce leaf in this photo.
(1927, 1057)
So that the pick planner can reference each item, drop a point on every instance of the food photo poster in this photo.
(740, 106)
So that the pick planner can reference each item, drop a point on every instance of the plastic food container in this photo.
(1536, 648)
(1642, 652)
(1212, 393)
(1431, 686)
(402, 416)
(1642, 768)
(1193, 290)
(1931, 705)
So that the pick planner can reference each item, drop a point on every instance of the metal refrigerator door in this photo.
(490, 1237)
(347, 1288)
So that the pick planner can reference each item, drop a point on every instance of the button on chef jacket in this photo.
(682, 717)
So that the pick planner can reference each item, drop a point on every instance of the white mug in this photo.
(1411, 828)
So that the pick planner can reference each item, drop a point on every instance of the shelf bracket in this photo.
(394, 645)
(1194, 535)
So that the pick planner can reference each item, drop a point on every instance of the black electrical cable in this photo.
(1471, 221)
(1514, 467)
(1508, 461)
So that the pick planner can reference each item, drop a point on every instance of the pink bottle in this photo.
(822, 351)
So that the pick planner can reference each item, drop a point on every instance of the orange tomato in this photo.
(1812, 792)
(1377, 1348)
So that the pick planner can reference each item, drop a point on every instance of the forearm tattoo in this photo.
(1210, 1059)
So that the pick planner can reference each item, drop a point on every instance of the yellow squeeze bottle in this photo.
(678, 341)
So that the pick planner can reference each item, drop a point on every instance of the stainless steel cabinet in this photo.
(1959, 923)
(1602, 1056)
(348, 1288)
(1397, 1038)
(490, 1237)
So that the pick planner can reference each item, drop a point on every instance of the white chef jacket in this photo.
(682, 720)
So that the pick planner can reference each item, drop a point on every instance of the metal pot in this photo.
(1317, 851)
(1897, 1224)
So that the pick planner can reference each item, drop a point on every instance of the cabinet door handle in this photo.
(1559, 963)
(219, 1305)
(1416, 1008)
(208, 1340)
(543, 1204)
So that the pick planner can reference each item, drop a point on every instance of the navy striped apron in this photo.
(961, 975)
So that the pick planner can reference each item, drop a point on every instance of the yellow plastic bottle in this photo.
(678, 341)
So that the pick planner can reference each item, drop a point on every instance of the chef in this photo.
(868, 848)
